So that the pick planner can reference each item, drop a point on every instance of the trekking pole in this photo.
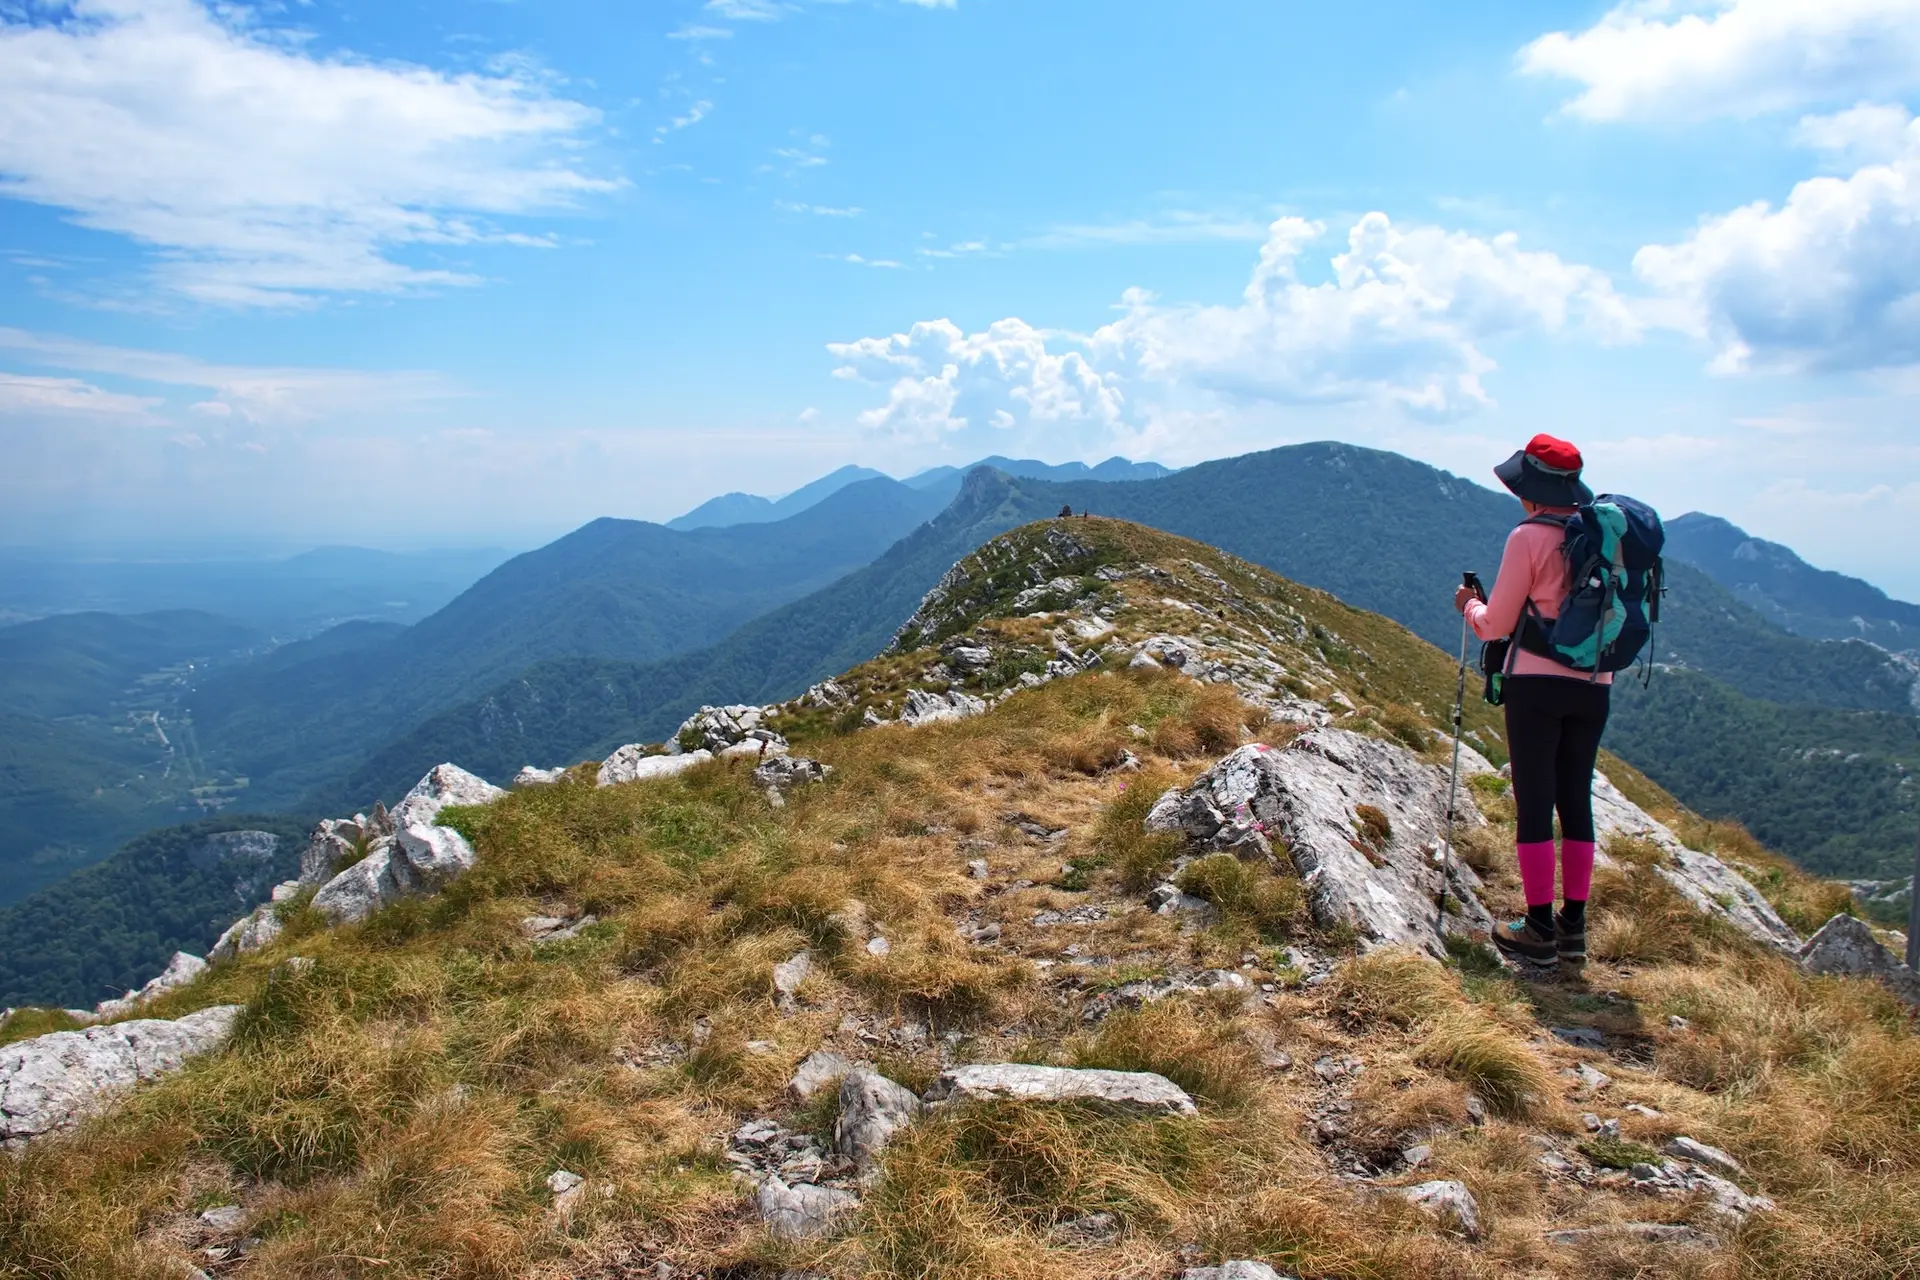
(1471, 580)
(1913, 913)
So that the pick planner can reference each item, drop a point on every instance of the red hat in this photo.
(1547, 472)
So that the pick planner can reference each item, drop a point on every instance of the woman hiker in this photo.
(1555, 715)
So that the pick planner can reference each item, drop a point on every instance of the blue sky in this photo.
(457, 271)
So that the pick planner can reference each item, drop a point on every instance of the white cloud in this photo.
(25, 394)
(701, 33)
(1673, 59)
(748, 10)
(1869, 133)
(934, 4)
(1180, 226)
(1828, 281)
(264, 175)
(818, 210)
(1401, 323)
(860, 261)
(261, 394)
(695, 114)
(943, 380)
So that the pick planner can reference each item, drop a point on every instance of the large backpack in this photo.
(1616, 578)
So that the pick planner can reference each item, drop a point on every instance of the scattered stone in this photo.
(1237, 1270)
(977, 869)
(1122, 1092)
(877, 946)
(1677, 1023)
(783, 773)
(51, 1080)
(1450, 1202)
(1086, 913)
(555, 928)
(1476, 1109)
(818, 1070)
(789, 974)
(1553, 1163)
(561, 1181)
(1724, 1199)
(1142, 661)
(1684, 1148)
(1581, 1037)
(986, 934)
(1094, 1231)
(872, 1109)
(1644, 1232)
(224, 1217)
(800, 1211)
(1590, 1081)
(1642, 1109)
(1845, 945)
(532, 777)
(631, 763)
(1415, 1156)
(1031, 826)
(718, 729)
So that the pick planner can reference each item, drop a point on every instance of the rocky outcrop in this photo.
(180, 970)
(1847, 946)
(529, 776)
(1133, 1093)
(803, 1210)
(930, 708)
(248, 934)
(721, 730)
(1361, 820)
(1712, 886)
(784, 773)
(631, 763)
(418, 856)
(50, 1081)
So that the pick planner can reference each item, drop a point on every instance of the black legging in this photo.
(1553, 737)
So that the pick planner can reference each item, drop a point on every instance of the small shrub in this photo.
(1406, 726)
(1121, 838)
(1617, 1153)
(1396, 985)
(1176, 1041)
(1375, 828)
(1245, 892)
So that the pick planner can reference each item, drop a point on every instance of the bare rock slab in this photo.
(1242, 1269)
(1381, 882)
(48, 1082)
(1136, 1093)
(800, 1211)
(631, 763)
(818, 1070)
(1448, 1201)
(1847, 946)
(872, 1109)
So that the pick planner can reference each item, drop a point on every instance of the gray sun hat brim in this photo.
(1528, 478)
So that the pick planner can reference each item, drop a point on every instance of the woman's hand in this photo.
(1460, 597)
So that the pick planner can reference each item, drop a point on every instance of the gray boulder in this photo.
(818, 1070)
(1448, 1201)
(1684, 1148)
(1135, 1093)
(532, 777)
(1382, 884)
(1847, 946)
(362, 888)
(784, 773)
(800, 1211)
(48, 1082)
(257, 929)
(445, 784)
(333, 842)
(631, 763)
(180, 970)
(930, 708)
(872, 1109)
(715, 729)
(1238, 1270)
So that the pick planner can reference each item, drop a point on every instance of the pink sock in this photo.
(1536, 870)
(1576, 869)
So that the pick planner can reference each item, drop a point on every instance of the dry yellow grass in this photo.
(394, 1109)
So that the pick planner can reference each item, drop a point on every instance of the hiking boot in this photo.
(1521, 940)
(1571, 944)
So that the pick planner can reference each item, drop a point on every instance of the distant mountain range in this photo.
(746, 508)
(617, 631)
(1788, 591)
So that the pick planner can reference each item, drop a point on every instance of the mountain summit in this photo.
(1106, 923)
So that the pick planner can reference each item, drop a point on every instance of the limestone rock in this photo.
(1242, 1269)
(1847, 946)
(715, 729)
(800, 1211)
(1382, 884)
(445, 784)
(248, 934)
(1450, 1202)
(631, 763)
(1684, 1148)
(1138, 1093)
(872, 1109)
(180, 970)
(789, 974)
(332, 843)
(817, 1071)
(784, 773)
(929, 708)
(362, 888)
(49, 1081)
(1645, 1232)
(1144, 661)
(434, 854)
(532, 777)
(1709, 884)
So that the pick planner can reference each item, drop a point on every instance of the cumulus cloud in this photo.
(1670, 59)
(1830, 280)
(941, 379)
(262, 394)
(1402, 322)
(264, 174)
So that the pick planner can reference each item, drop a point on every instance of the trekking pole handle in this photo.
(1471, 581)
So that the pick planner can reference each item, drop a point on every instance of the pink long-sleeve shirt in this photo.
(1532, 568)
